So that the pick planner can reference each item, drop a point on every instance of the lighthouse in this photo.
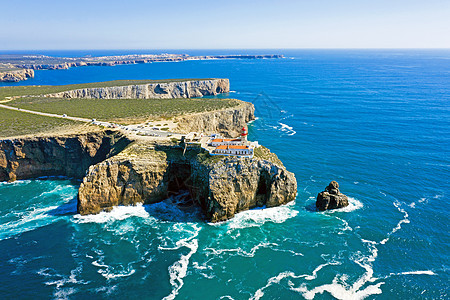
(243, 135)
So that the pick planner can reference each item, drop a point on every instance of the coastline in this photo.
(20, 67)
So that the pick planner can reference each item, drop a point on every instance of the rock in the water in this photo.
(331, 198)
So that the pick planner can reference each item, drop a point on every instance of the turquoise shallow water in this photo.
(378, 122)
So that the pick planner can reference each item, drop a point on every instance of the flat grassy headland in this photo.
(16, 123)
(124, 111)
(129, 111)
(12, 91)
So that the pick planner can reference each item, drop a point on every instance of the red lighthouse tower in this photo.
(243, 134)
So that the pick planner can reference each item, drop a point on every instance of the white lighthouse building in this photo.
(233, 147)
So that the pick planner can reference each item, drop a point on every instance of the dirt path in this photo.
(45, 114)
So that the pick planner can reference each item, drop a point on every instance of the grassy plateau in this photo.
(34, 90)
(125, 111)
(15, 123)
(122, 110)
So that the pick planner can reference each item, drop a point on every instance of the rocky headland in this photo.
(120, 167)
(118, 171)
(222, 186)
(331, 198)
(163, 90)
(68, 155)
(16, 75)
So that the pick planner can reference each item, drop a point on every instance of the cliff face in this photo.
(227, 121)
(169, 90)
(16, 75)
(221, 186)
(70, 156)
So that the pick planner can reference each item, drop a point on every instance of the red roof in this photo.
(237, 147)
(224, 140)
(225, 147)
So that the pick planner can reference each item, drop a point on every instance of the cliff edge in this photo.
(221, 186)
(71, 155)
(16, 75)
(162, 90)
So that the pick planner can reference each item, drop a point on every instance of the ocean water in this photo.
(376, 121)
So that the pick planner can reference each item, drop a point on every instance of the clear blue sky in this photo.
(199, 24)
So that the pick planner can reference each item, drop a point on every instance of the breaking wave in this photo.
(116, 214)
(259, 216)
(353, 204)
(41, 210)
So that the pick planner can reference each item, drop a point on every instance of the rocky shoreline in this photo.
(16, 75)
(43, 62)
(121, 169)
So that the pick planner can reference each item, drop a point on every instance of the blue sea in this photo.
(376, 121)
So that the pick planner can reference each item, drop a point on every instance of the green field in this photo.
(15, 123)
(122, 110)
(10, 91)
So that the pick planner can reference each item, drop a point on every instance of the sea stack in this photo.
(331, 198)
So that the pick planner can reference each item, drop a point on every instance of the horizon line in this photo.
(161, 49)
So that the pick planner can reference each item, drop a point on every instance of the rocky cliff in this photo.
(227, 121)
(70, 156)
(221, 186)
(16, 75)
(169, 90)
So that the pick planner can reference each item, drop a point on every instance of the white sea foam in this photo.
(60, 281)
(204, 269)
(178, 270)
(34, 214)
(116, 214)
(273, 280)
(288, 129)
(239, 251)
(339, 288)
(288, 274)
(15, 183)
(340, 291)
(111, 275)
(258, 217)
(346, 226)
(250, 122)
(318, 268)
(353, 204)
(427, 272)
(29, 220)
(399, 224)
